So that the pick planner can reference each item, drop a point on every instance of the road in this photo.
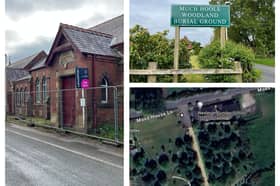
(268, 73)
(49, 159)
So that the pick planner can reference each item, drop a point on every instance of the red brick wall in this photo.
(108, 67)
(40, 109)
(21, 108)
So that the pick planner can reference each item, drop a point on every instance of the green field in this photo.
(267, 179)
(261, 132)
(266, 61)
(156, 132)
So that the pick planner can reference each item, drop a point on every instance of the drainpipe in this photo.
(94, 92)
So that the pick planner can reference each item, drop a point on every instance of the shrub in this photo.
(213, 56)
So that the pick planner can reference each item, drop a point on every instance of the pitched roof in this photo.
(88, 41)
(40, 64)
(113, 27)
(13, 74)
(22, 63)
(28, 62)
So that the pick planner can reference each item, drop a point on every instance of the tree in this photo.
(253, 24)
(146, 47)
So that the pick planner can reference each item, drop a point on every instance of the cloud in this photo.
(15, 9)
(155, 16)
(22, 51)
(11, 36)
(32, 25)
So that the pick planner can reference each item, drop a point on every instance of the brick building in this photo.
(19, 83)
(51, 81)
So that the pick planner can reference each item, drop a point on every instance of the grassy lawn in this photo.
(261, 133)
(156, 132)
(267, 179)
(266, 61)
(195, 78)
(151, 135)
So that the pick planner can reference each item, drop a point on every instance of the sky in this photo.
(155, 16)
(31, 25)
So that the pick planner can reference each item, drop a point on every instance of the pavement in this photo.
(268, 73)
(49, 159)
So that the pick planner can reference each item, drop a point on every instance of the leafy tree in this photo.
(148, 99)
(196, 46)
(253, 24)
(146, 47)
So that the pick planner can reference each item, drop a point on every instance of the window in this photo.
(37, 91)
(45, 88)
(25, 95)
(17, 97)
(21, 97)
(104, 91)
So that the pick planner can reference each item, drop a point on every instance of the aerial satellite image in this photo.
(202, 136)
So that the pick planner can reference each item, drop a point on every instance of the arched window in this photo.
(104, 90)
(21, 96)
(16, 97)
(25, 95)
(37, 91)
(45, 88)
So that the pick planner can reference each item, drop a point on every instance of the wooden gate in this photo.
(68, 101)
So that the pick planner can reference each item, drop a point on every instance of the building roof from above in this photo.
(13, 74)
(113, 27)
(28, 62)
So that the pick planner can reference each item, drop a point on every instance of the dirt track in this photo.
(200, 161)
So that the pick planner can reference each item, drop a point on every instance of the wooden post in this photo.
(223, 36)
(237, 67)
(152, 78)
(176, 52)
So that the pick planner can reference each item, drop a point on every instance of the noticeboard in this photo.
(81, 75)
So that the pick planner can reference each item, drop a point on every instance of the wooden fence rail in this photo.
(152, 71)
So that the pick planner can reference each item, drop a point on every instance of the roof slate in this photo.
(91, 42)
(113, 27)
(13, 74)
(39, 64)
(22, 63)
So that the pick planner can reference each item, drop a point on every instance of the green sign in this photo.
(200, 15)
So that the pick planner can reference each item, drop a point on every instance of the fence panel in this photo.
(95, 111)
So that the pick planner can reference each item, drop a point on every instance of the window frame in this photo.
(44, 88)
(104, 85)
(37, 91)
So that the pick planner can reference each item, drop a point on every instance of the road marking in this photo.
(69, 150)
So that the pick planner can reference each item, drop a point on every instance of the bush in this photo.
(146, 47)
(213, 56)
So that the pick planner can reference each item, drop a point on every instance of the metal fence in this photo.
(95, 111)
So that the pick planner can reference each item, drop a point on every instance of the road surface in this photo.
(267, 73)
(49, 159)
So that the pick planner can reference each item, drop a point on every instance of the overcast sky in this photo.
(155, 16)
(31, 25)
